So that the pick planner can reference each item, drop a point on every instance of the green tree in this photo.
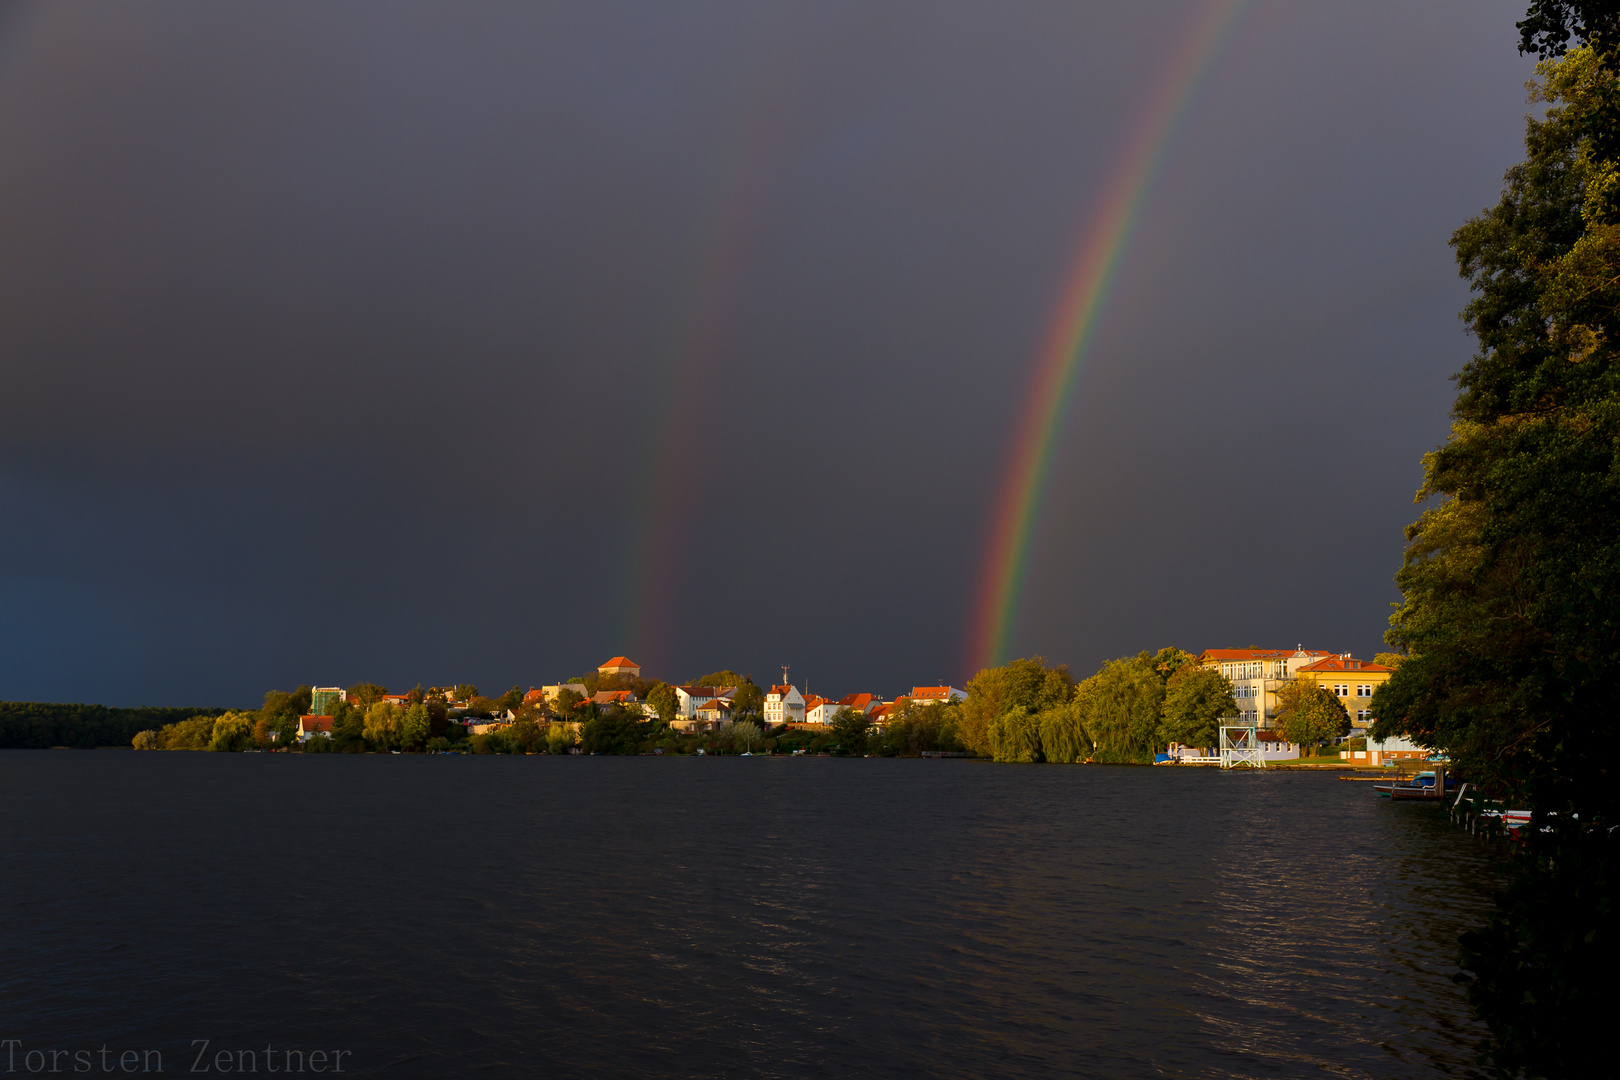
(851, 727)
(512, 699)
(1511, 581)
(1310, 714)
(233, 732)
(567, 704)
(194, 734)
(1195, 701)
(483, 706)
(913, 727)
(1026, 686)
(559, 738)
(348, 730)
(722, 679)
(612, 731)
(749, 700)
(382, 726)
(745, 736)
(465, 692)
(664, 701)
(1123, 708)
(1062, 729)
(526, 737)
(366, 694)
(279, 702)
(415, 727)
(438, 717)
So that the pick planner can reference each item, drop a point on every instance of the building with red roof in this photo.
(1353, 681)
(311, 726)
(620, 665)
(1257, 675)
(784, 705)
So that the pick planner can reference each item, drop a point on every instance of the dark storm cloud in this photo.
(338, 343)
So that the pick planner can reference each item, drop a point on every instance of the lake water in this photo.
(766, 917)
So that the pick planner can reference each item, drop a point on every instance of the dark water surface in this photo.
(454, 916)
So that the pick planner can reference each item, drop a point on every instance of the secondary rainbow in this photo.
(706, 330)
(1083, 294)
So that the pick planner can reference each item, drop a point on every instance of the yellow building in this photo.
(1257, 674)
(1353, 681)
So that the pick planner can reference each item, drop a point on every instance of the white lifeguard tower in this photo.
(1240, 745)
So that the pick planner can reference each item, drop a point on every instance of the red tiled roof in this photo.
(1345, 663)
(1257, 654)
(926, 692)
(783, 690)
(858, 701)
(314, 723)
(610, 697)
(533, 695)
(619, 662)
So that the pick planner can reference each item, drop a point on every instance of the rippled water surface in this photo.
(449, 916)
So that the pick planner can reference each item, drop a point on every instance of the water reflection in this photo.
(761, 917)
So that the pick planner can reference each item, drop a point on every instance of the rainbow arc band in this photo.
(1081, 299)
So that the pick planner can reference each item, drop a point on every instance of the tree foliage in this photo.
(723, 678)
(914, 727)
(1124, 702)
(35, 725)
(1196, 700)
(1310, 714)
(664, 701)
(851, 727)
(749, 700)
(1510, 612)
(1024, 686)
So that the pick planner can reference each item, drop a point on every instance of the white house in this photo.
(784, 705)
(311, 726)
(694, 697)
(940, 695)
(818, 710)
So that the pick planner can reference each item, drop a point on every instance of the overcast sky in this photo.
(482, 342)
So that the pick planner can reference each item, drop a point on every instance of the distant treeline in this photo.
(40, 725)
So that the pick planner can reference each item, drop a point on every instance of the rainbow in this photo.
(728, 238)
(1083, 294)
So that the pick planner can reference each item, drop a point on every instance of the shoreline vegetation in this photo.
(1026, 711)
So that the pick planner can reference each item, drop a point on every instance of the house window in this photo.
(1363, 691)
(1342, 690)
(1364, 716)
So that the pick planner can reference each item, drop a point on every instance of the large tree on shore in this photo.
(1510, 618)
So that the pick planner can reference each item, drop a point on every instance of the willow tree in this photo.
(1124, 708)
(1001, 700)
